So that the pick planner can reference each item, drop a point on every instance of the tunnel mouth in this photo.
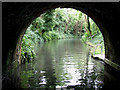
(111, 51)
(38, 35)
(46, 28)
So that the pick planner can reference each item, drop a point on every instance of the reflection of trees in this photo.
(89, 73)
(64, 47)
(52, 58)
(92, 73)
(52, 63)
(86, 69)
(48, 66)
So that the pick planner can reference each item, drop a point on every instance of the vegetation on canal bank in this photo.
(60, 23)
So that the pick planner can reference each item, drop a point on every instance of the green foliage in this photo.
(25, 75)
(58, 24)
(96, 35)
(48, 18)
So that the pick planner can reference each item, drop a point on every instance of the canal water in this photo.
(62, 65)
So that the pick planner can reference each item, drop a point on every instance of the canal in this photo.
(62, 65)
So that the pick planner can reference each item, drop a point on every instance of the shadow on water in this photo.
(63, 64)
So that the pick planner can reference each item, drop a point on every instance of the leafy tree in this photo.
(48, 18)
(58, 24)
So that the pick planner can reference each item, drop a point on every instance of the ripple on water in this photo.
(68, 66)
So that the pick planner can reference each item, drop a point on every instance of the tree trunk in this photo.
(88, 24)
(76, 28)
(80, 30)
(66, 25)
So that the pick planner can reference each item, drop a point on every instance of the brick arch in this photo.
(18, 16)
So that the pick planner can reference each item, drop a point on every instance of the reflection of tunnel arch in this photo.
(18, 16)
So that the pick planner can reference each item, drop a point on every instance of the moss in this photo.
(13, 66)
(25, 75)
(114, 65)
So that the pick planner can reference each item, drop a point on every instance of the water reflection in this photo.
(63, 64)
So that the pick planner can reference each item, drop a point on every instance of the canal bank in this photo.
(101, 56)
(111, 69)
